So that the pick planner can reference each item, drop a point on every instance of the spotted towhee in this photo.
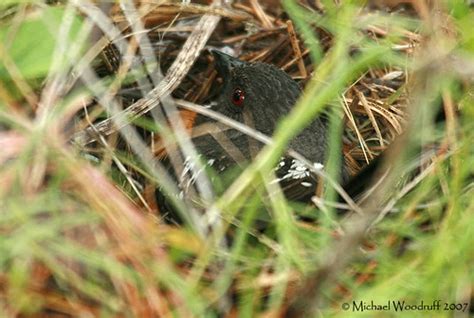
(258, 95)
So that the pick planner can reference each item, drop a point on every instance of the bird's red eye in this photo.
(238, 97)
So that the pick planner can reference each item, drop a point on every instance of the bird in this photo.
(259, 95)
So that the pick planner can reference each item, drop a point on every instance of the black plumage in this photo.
(259, 95)
(269, 94)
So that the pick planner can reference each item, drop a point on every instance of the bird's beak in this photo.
(225, 63)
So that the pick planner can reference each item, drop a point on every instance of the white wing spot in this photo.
(297, 171)
(281, 164)
(318, 166)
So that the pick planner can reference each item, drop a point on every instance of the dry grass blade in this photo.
(179, 128)
(296, 49)
(261, 15)
(369, 112)
(188, 54)
(364, 147)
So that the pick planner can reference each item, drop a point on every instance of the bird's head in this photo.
(255, 92)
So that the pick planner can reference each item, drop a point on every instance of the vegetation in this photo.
(82, 140)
